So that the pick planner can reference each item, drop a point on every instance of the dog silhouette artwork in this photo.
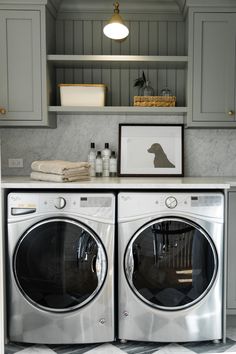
(160, 159)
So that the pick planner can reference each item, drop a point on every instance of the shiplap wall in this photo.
(155, 37)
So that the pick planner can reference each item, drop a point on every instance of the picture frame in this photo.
(151, 150)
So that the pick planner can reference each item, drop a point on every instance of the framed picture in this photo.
(150, 150)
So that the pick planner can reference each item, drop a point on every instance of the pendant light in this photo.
(116, 29)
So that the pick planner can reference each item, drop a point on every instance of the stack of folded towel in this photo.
(59, 171)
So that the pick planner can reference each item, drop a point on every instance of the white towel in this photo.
(81, 171)
(59, 167)
(51, 177)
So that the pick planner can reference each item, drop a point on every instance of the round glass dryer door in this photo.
(59, 265)
(170, 263)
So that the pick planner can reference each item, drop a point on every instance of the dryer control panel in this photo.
(138, 205)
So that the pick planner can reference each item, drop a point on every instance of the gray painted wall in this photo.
(208, 152)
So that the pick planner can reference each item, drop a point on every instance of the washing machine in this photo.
(171, 250)
(60, 267)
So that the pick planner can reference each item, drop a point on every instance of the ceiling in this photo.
(126, 6)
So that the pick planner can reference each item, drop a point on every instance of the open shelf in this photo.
(118, 61)
(119, 110)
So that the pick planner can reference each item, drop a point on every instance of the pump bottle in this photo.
(98, 164)
(91, 160)
(106, 153)
(113, 165)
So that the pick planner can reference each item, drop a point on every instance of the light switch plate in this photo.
(15, 163)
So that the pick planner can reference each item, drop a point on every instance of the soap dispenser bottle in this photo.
(113, 164)
(98, 164)
(91, 160)
(106, 153)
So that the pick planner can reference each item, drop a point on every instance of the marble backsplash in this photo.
(207, 152)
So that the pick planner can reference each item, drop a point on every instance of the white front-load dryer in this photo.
(170, 266)
(60, 266)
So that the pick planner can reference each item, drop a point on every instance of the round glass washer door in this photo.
(59, 265)
(170, 263)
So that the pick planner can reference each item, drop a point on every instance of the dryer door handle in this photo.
(99, 265)
(130, 263)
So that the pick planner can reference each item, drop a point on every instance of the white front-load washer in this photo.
(60, 265)
(171, 266)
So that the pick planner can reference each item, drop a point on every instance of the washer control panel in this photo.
(96, 206)
(171, 202)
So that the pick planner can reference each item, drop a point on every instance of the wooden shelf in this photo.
(118, 61)
(119, 110)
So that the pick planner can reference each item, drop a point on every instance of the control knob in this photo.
(171, 202)
(59, 203)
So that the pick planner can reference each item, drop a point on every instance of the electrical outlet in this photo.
(15, 163)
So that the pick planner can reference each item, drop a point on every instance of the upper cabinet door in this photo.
(213, 70)
(20, 69)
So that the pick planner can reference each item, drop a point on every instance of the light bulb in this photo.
(116, 29)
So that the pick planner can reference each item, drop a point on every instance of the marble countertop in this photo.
(124, 183)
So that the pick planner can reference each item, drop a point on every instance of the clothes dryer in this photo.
(60, 267)
(171, 248)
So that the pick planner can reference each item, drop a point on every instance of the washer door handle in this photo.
(93, 264)
(130, 263)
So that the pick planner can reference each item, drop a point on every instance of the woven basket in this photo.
(155, 101)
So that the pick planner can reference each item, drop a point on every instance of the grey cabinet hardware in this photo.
(2, 111)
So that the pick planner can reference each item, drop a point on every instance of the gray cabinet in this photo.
(231, 254)
(212, 80)
(22, 72)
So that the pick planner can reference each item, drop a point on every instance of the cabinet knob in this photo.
(3, 111)
(231, 113)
